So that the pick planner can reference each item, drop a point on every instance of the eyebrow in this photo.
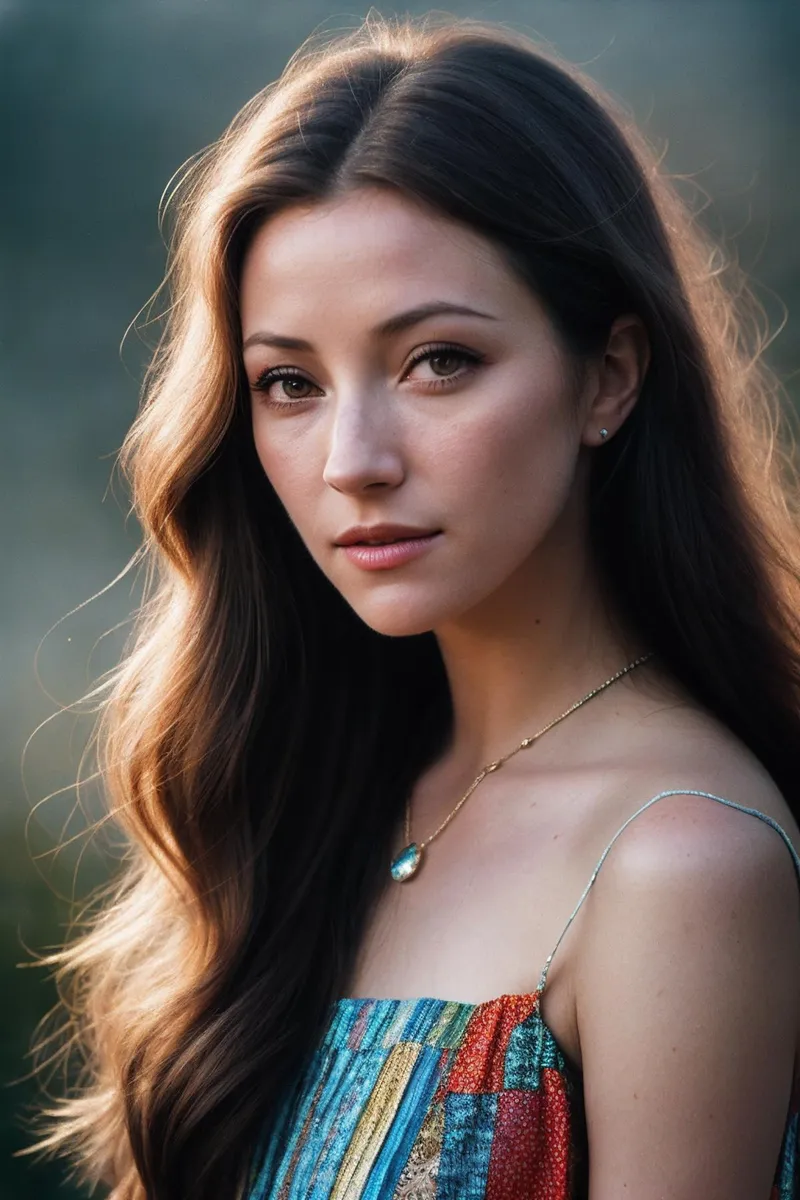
(387, 328)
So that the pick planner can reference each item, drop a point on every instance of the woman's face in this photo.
(392, 404)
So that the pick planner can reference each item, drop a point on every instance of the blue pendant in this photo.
(406, 863)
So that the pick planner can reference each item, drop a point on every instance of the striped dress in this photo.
(429, 1099)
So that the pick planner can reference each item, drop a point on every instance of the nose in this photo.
(364, 447)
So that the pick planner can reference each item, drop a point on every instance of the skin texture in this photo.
(677, 987)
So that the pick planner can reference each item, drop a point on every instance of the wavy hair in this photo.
(258, 740)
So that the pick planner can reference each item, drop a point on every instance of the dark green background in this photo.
(101, 101)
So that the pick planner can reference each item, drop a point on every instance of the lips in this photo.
(382, 535)
(389, 541)
(392, 554)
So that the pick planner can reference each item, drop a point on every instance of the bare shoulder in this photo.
(730, 834)
(697, 854)
(688, 979)
(703, 825)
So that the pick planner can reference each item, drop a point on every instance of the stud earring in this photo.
(603, 433)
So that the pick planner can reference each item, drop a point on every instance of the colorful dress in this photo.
(429, 1099)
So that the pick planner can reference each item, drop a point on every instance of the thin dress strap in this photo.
(675, 792)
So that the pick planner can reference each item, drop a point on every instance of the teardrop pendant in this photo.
(407, 863)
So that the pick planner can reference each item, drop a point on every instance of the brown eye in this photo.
(450, 363)
(447, 357)
(289, 380)
(289, 383)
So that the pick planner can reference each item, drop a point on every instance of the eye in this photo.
(440, 357)
(289, 377)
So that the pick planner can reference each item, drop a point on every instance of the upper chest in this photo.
(485, 909)
(494, 894)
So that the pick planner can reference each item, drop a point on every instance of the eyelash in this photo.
(267, 378)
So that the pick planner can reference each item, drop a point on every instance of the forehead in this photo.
(360, 249)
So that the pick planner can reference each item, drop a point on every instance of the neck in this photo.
(526, 655)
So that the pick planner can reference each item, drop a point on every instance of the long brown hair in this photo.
(259, 741)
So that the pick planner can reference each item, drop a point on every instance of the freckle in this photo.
(538, 621)
(635, 1096)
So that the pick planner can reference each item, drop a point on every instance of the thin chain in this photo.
(528, 741)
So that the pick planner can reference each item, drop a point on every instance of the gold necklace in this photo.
(408, 861)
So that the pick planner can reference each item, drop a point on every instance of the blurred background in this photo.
(102, 100)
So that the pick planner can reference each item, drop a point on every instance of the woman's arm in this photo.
(688, 999)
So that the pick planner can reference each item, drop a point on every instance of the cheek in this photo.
(514, 473)
(289, 468)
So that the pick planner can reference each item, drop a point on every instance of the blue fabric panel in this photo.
(347, 1082)
(467, 1146)
(411, 1113)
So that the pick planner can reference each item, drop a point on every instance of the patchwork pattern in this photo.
(438, 1100)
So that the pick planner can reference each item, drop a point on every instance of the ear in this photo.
(617, 380)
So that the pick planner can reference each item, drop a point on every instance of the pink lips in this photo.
(392, 554)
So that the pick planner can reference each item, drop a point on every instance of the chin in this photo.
(403, 614)
(408, 611)
(399, 623)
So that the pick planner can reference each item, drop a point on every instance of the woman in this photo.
(452, 444)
